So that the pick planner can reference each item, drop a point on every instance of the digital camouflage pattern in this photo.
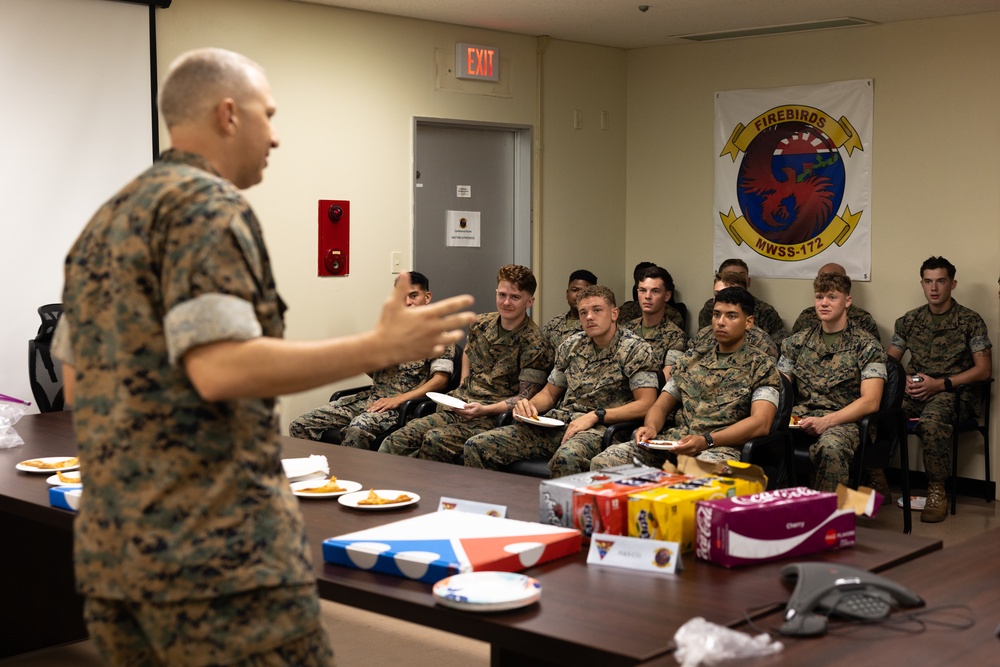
(713, 392)
(940, 350)
(186, 499)
(755, 337)
(499, 361)
(358, 427)
(631, 309)
(265, 627)
(827, 379)
(559, 328)
(667, 340)
(860, 317)
(765, 317)
(592, 378)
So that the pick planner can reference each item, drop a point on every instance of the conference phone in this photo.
(822, 590)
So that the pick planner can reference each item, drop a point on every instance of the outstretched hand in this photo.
(421, 331)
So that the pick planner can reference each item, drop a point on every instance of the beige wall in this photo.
(935, 180)
(348, 85)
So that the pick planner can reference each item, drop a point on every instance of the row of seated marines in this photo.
(598, 365)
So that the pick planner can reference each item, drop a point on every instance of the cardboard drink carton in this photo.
(778, 524)
(603, 508)
(555, 496)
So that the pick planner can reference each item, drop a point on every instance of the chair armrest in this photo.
(774, 450)
(340, 393)
(617, 431)
(505, 418)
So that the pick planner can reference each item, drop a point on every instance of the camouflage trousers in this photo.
(358, 428)
(261, 628)
(503, 446)
(437, 437)
(831, 455)
(937, 418)
(629, 452)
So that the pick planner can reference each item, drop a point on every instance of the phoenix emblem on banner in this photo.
(791, 182)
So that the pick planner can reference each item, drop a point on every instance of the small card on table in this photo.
(635, 553)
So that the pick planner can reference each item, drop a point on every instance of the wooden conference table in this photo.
(587, 614)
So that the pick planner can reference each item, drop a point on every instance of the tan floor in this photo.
(362, 639)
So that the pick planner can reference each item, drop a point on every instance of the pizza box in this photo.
(433, 546)
(65, 497)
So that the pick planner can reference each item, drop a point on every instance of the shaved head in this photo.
(832, 267)
(198, 80)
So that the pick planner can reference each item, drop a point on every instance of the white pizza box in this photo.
(433, 546)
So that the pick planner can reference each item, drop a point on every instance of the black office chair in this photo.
(45, 372)
(979, 422)
(773, 452)
(411, 409)
(882, 435)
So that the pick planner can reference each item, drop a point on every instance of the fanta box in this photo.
(668, 513)
(603, 508)
(555, 496)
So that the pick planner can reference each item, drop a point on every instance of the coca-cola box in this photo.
(766, 526)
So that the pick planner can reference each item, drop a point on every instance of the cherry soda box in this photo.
(555, 496)
(603, 508)
(784, 523)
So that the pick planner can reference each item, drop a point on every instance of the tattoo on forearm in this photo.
(525, 390)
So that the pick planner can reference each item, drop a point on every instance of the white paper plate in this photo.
(794, 426)
(351, 499)
(547, 422)
(55, 481)
(446, 400)
(487, 591)
(347, 485)
(917, 503)
(666, 445)
(46, 459)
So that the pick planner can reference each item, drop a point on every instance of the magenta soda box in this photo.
(556, 495)
(771, 525)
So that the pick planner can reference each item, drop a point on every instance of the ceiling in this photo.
(620, 23)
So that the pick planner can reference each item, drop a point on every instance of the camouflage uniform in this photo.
(940, 350)
(828, 379)
(859, 316)
(186, 499)
(592, 379)
(755, 337)
(765, 317)
(359, 428)
(667, 340)
(714, 392)
(630, 310)
(559, 328)
(499, 361)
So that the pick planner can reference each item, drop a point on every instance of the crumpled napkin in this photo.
(308, 468)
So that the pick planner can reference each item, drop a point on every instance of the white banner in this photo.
(793, 179)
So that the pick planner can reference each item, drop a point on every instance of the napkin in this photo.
(308, 468)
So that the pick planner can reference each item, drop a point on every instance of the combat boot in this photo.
(936, 508)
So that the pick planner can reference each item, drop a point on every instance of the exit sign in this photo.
(474, 61)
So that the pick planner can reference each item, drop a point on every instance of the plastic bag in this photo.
(11, 409)
(700, 643)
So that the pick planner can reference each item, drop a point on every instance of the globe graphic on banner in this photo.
(791, 182)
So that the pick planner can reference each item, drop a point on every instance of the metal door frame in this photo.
(523, 223)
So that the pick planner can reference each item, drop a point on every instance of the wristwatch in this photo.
(947, 384)
(708, 440)
(600, 412)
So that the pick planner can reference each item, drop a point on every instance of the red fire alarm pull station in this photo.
(334, 219)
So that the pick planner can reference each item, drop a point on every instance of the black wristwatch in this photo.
(947, 384)
(708, 440)
(600, 412)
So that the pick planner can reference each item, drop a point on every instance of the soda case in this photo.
(555, 496)
(603, 507)
(777, 524)
(668, 512)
